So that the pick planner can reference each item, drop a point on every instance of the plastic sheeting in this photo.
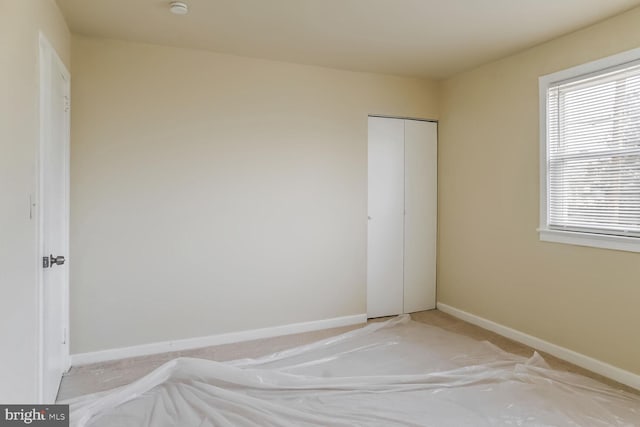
(393, 373)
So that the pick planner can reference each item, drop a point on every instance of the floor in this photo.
(104, 376)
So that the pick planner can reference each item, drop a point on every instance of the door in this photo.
(385, 243)
(402, 206)
(53, 196)
(421, 211)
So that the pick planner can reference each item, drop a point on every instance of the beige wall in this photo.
(214, 193)
(491, 262)
(20, 23)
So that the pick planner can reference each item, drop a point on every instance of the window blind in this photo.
(593, 153)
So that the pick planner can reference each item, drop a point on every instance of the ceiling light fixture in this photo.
(178, 8)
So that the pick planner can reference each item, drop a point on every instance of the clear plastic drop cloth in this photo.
(393, 373)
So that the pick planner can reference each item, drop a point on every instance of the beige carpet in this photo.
(104, 376)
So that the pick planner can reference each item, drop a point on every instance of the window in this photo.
(590, 154)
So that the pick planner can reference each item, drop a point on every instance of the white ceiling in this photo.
(426, 38)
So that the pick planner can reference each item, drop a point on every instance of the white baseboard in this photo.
(586, 362)
(199, 342)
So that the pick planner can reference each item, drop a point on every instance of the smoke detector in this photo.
(178, 8)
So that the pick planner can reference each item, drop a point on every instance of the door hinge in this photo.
(64, 336)
(45, 262)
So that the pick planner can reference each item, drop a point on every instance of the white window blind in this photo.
(593, 153)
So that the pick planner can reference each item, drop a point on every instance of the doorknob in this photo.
(57, 260)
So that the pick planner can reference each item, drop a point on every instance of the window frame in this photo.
(606, 241)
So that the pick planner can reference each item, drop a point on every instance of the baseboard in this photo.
(199, 342)
(617, 374)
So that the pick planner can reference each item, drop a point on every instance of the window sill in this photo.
(619, 243)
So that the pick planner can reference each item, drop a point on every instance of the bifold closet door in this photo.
(402, 206)
(421, 210)
(385, 244)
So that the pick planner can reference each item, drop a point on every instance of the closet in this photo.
(402, 211)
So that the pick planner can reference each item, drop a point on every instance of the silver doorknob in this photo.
(57, 260)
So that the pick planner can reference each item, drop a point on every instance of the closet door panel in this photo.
(420, 215)
(385, 245)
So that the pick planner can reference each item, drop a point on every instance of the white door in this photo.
(385, 245)
(54, 219)
(421, 189)
(402, 206)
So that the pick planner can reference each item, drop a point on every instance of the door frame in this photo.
(47, 56)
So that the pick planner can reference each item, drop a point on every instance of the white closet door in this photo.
(385, 245)
(421, 174)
